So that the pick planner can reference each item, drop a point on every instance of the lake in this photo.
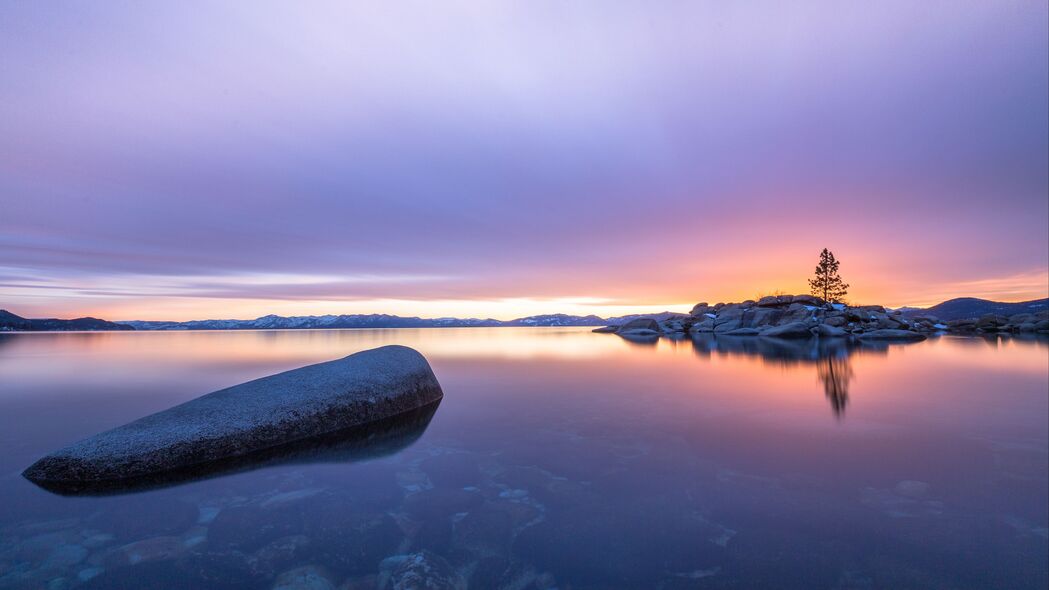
(557, 459)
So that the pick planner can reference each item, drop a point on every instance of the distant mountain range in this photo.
(970, 307)
(11, 322)
(316, 322)
(962, 308)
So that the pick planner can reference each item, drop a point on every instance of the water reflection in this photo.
(831, 356)
(835, 373)
(559, 458)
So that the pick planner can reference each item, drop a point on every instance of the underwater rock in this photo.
(304, 578)
(421, 571)
(256, 416)
(154, 549)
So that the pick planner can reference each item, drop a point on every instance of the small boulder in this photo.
(867, 309)
(742, 332)
(640, 327)
(992, 322)
(828, 331)
(728, 313)
(775, 300)
(836, 321)
(791, 330)
(892, 335)
(700, 309)
(809, 300)
(706, 325)
(726, 326)
(965, 325)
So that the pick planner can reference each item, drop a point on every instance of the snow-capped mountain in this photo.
(276, 322)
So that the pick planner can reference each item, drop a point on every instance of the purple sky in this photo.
(188, 159)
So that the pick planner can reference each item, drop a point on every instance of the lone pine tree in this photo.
(827, 284)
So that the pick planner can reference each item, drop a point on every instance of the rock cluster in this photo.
(993, 323)
(787, 316)
(804, 316)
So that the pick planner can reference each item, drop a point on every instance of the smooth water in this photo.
(558, 459)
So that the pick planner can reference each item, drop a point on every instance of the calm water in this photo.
(558, 459)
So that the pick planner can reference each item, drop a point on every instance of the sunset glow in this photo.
(237, 160)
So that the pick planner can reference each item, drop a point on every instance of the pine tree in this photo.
(827, 284)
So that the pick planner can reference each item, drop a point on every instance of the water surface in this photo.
(558, 459)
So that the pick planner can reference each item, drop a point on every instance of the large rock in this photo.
(964, 325)
(699, 309)
(809, 300)
(791, 330)
(640, 327)
(892, 335)
(729, 313)
(706, 325)
(726, 326)
(775, 300)
(992, 322)
(311, 401)
(743, 332)
(760, 317)
(828, 331)
(836, 321)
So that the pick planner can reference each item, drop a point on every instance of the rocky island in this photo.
(804, 316)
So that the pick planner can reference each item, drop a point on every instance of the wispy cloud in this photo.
(347, 155)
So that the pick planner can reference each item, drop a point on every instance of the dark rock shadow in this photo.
(351, 445)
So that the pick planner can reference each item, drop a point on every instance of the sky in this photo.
(191, 160)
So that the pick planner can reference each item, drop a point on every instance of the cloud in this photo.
(542, 151)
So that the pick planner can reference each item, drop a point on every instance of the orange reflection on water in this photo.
(781, 379)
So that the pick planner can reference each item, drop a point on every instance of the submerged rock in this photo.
(421, 571)
(309, 577)
(256, 416)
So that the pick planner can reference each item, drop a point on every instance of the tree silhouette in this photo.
(827, 284)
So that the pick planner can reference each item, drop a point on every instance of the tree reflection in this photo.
(830, 355)
(835, 372)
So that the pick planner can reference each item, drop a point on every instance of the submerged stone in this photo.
(253, 417)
